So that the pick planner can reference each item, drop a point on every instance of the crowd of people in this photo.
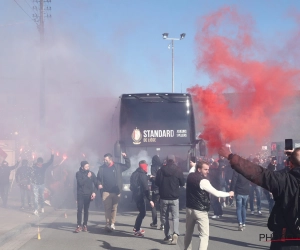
(217, 184)
(209, 182)
(38, 183)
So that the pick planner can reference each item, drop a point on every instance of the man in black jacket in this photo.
(23, 180)
(156, 164)
(169, 179)
(4, 180)
(225, 179)
(240, 187)
(283, 185)
(38, 182)
(141, 196)
(214, 178)
(110, 183)
(86, 192)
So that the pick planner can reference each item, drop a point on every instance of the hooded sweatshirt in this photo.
(86, 185)
(169, 178)
(143, 181)
(156, 164)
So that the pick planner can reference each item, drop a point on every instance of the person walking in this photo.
(156, 165)
(87, 184)
(240, 187)
(255, 190)
(169, 179)
(23, 180)
(284, 186)
(140, 194)
(37, 181)
(110, 184)
(198, 189)
(4, 180)
(225, 179)
(214, 178)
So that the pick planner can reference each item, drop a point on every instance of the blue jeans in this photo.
(172, 206)
(38, 192)
(254, 189)
(241, 201)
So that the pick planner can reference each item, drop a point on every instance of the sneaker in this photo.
(168, 239)
(112, 227)
(244, 226)
(173, 240)
(43, 210)
(78, 229)
(142, 231)
(47, 202)
(252, 212)
(259, 212)
(138, 234)
(162, 227)
(240, 228)
(153, 225)
(84, 229)
(36, 212)
(215, 217)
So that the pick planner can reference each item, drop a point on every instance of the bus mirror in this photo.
(202, 147)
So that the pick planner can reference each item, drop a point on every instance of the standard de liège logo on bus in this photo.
(136, 136)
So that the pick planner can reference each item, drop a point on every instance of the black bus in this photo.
(160, 124)
(156, 124)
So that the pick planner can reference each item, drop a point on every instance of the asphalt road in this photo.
(58, 233)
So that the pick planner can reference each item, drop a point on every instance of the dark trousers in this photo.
(216, 205)
(141, 206)
(83, 202)
(155, 199)
(25, 193)
(4, 193)
(254, 189)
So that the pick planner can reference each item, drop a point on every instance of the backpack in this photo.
(292, 213)
(135, 185)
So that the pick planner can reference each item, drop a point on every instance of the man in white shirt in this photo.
(198, 189)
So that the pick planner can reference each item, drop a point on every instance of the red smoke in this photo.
(228, 53)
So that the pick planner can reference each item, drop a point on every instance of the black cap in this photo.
(171, 157)
(83, 163)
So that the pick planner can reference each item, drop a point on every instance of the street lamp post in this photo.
(165, 36)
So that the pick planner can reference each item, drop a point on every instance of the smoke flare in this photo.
(228, 53)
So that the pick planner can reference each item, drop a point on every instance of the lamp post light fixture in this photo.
(166, 37)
